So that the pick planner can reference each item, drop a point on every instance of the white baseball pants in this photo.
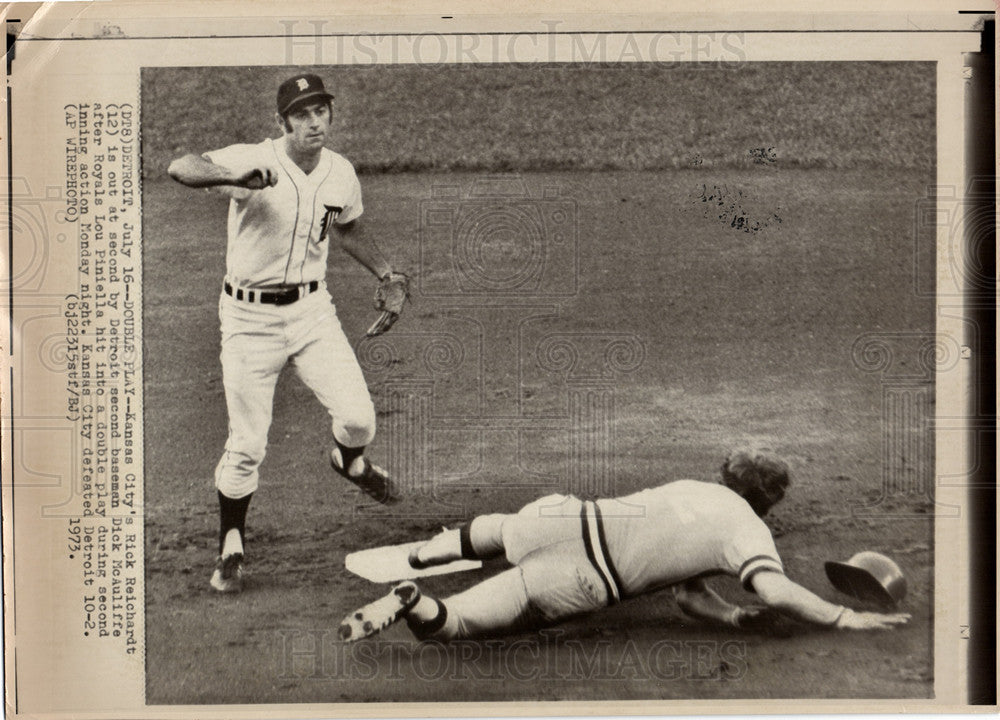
(257, 341)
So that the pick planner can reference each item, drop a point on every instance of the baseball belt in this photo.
(271, 297)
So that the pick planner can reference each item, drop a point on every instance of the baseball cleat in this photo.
(228, 575)
(373, 481)
(377, 616)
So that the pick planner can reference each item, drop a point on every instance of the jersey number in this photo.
(332, 213)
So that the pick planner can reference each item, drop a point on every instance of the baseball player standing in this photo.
(572, 557)
(286, 196)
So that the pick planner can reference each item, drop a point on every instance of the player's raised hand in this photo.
(258, 178)
(850, 620)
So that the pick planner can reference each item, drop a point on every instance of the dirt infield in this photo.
(688, 329)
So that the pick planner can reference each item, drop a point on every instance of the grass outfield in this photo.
(517, 118)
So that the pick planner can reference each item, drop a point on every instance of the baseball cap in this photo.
(298, 89)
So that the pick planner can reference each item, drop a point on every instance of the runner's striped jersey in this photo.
(684, 529)
(277, 236)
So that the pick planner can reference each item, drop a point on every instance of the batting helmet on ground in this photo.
(869, 576)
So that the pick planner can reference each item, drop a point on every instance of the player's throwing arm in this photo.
(197, 172)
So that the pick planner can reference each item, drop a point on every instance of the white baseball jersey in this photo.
(687, 529)
(278, 235)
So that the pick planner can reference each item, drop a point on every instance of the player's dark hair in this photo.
(284, 115)
(757, 478)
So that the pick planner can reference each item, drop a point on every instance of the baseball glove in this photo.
(392, 293)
